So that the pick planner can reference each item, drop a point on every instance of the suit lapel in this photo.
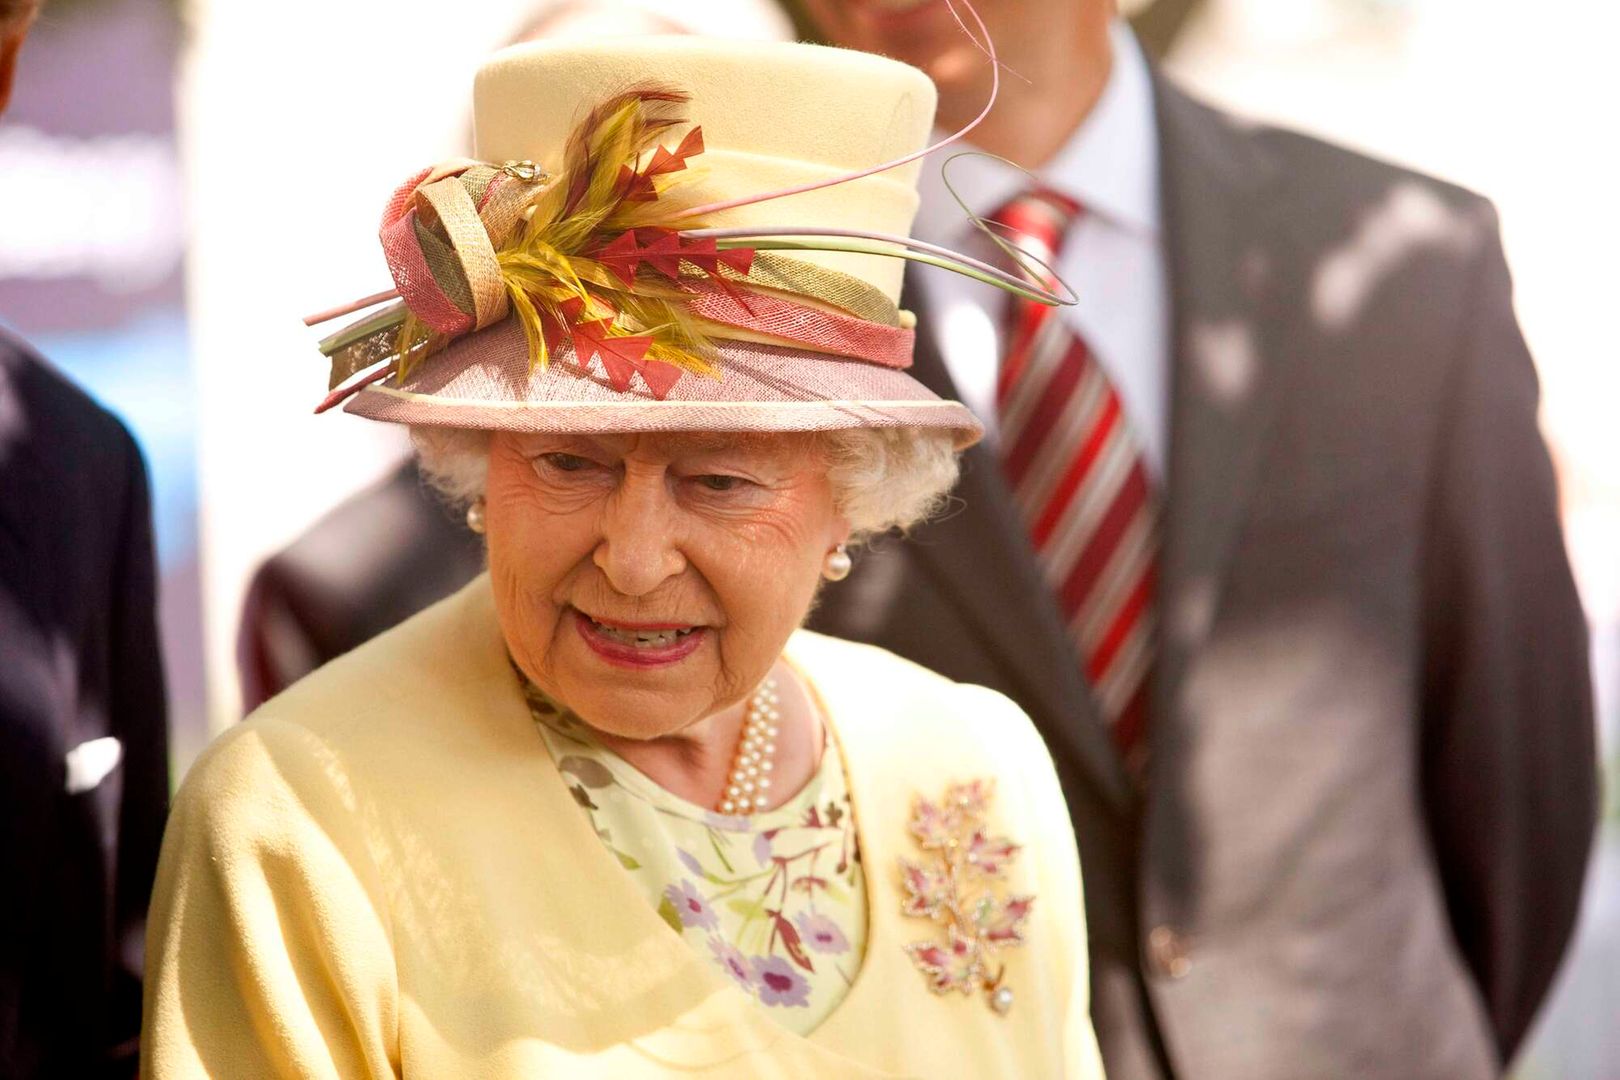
(1223, 250)
(980, 557)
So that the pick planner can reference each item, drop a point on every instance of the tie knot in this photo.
(1037, 218)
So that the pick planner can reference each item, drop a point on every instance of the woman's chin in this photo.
(634, 715)
(631, 701)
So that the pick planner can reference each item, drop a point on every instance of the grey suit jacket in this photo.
(1360, 843)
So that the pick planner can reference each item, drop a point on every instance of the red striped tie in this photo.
(1077, 474)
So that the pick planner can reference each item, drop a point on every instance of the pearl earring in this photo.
(475, 515)
(837, 565)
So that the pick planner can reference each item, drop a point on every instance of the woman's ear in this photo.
(840, 531)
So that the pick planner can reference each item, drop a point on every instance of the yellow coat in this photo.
(382, 874)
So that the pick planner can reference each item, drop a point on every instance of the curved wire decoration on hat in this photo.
(603, 257)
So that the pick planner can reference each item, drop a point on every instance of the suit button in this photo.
(1167, 953)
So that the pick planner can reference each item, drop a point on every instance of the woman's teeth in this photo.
(641, 639)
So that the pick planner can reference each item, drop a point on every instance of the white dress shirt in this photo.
(1113, 259)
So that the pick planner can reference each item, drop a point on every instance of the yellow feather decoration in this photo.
(589, 201)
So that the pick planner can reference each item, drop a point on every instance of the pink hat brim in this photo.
(483, 381)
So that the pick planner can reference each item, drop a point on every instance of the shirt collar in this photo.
(1110, 164)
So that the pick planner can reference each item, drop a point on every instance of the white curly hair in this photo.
(882, 478)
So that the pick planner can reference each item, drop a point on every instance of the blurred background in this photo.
(181, 182)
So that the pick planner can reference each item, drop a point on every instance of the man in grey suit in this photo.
(1350, 836)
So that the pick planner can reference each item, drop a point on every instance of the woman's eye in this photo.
(721, 482)
(565, 462)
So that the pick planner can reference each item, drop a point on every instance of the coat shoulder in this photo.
(922, 706)
(1309, 174)
(432, 690)
(46, 396)
(1331, 171)
(823, 656)
(62, 430)
(403, 677)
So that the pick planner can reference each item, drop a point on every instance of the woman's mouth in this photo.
(638, 644)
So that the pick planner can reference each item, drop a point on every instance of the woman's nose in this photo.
(638, 550)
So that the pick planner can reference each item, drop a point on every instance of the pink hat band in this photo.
(485, 381)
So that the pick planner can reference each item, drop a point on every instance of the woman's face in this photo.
(650, 581)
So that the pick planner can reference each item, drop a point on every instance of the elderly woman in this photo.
(608, 811)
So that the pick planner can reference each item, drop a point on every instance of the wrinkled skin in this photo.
(725, 533)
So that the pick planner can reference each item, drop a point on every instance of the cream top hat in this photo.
(774, 115)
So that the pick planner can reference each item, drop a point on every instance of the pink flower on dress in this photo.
(779, 984)
(732, 962)
(691, 907)
(821, 933)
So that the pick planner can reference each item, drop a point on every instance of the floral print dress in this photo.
(777, 901)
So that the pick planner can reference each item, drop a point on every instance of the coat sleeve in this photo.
(1509, 768)
(1081, 1054)
(269, 951)
(138, 717)
(1061, 893)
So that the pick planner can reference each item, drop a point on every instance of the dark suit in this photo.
(1360, 843)
(78, 662)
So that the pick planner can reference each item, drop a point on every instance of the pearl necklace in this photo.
(751, 770)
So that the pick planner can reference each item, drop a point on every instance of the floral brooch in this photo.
(956, 884)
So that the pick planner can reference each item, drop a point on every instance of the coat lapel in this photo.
(1223, 249)
(980, 557)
